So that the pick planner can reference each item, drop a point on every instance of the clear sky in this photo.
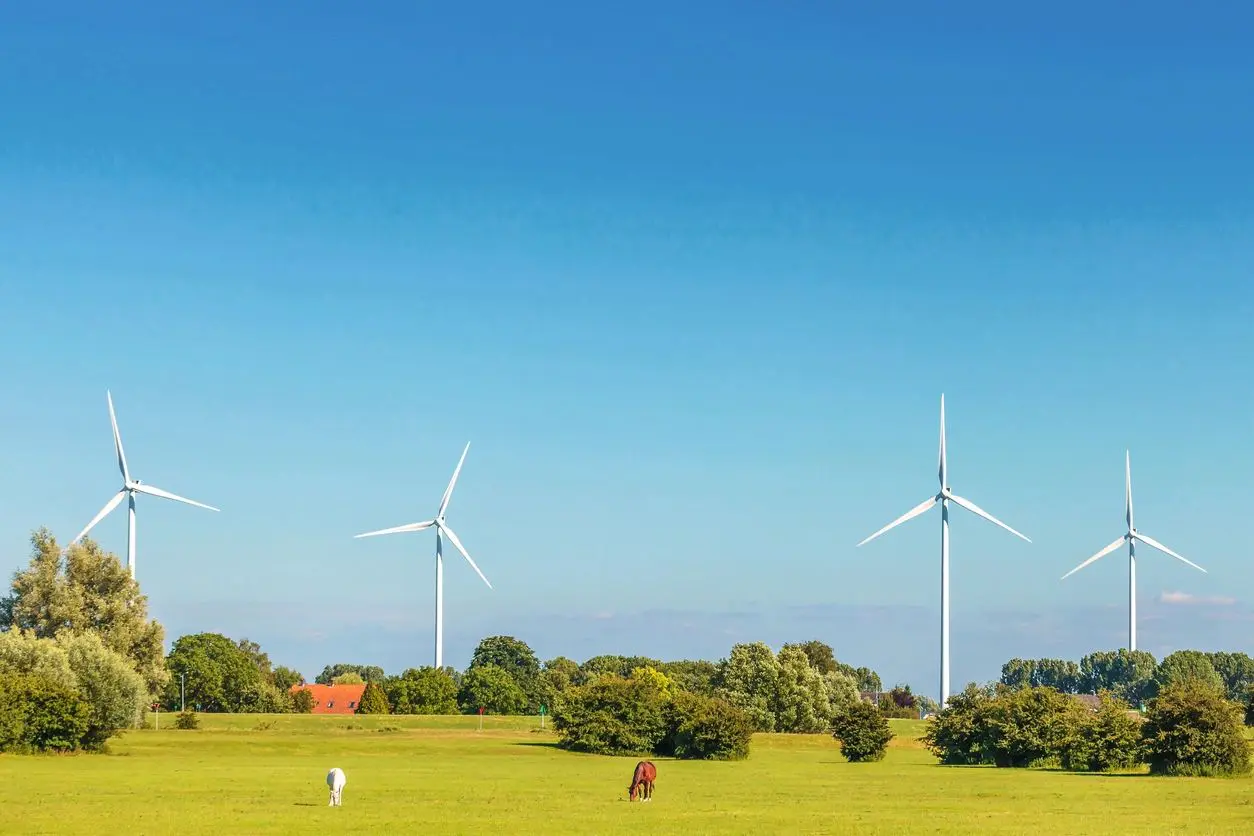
(691, 278)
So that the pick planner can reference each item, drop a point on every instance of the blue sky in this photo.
(691, 281)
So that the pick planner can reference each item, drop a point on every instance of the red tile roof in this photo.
(334, 699)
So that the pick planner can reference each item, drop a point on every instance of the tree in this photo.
(517, 660)
(368, 673)
(39, 714)
(373, 700)
(1017, 673)
(1021, 728)
(422, 691)
(610, 715)
(88, 590)
(1237, 670)
(620, 666)
(842, 692)
(260, 659)
(955, 733)
(1106, 739)
(820, 655)
(700, 727)
(349, 678)
(493, 689)
(899, 703)
(285, 678)
(1059, 674)
(557, 677)
(1185, 665)
(801, 704)
(303, 701)
(749, 679)
(1128, 674)
(220, 677)
(1191, 729)
(654, 679)
(863, 732)
(695, 676)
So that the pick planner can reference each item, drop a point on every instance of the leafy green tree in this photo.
(899, 703)
(1017, 673)
(802, 704)
(349, 678)
(558, 676)
(620, 666)
(368, 673)
(1185, 665)
(1237, 670)
(259, 658)
(373, 700)
(655, 679)
(1023, 727)
(115, 695)
(695, 676)
(422, 691)
(1128, 674)
(518, 660)
(1059, 674)
(955, 734)
(1192, 729)
(493, 689)
(749, 680)
(863, 732)
(221, 677)
(285, 678)
(842, 692)
(820, 655)
(303, 701)
(1106, 739)
(87, 590)
(21, 651)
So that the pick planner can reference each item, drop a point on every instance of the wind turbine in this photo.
(441, 528)
(944, 497)
(1130, 538)
(130, 487)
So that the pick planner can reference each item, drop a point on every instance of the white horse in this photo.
(336, 781)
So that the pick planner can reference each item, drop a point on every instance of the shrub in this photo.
(705, 728)
(1106, 739)
(187, 719)
(954, 734)
(611, 715)
(422, 691)
(303, 701)
(373, 700)
(1028, 726)
(863, 732)
(114, 693)
(1191, 729)
(40, 714)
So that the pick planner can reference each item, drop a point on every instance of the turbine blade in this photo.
(117, 441)
(458, 545)
(943, 471)
(909, 515)
(151, 491)
(1150, 541)
(400, 529)
(104, 512)
(1097, 556)
(448, 492)
(975, 509)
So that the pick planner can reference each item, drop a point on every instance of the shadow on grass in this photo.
(306, 804)
(547, 744)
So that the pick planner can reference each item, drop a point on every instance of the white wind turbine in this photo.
(130, 487)
(441, 528)
(1130, 538)
(944, 497)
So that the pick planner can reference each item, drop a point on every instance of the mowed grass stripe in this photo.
(250, 774)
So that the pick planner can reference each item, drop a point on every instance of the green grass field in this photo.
(250, 774)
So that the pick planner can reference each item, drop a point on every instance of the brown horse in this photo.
(642, 781)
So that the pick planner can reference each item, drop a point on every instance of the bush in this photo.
(954, 734)
(611, 716)
(187, 719)
(373, 700)
(422, 691)
(1191, 729)
(863, 732)
(1028, 726)
(40, 714)
(1106, 739)
(303, 702)
(705, 728)
(114, 693)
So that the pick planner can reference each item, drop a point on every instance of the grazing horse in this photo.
(642, 781)
(336, 781)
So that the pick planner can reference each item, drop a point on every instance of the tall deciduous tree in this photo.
(1189, 665)
(422, 691)
(86, 590)
(517, 659)
(220, 677)
(1237, 670)
(368, 673)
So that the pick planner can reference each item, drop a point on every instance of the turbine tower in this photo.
(130, 487)
(1130, 538)
(441, 528)
(944, 497)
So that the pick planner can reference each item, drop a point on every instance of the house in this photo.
(1090, 701)
(334, 699)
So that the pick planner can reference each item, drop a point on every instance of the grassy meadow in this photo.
(260, 774)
